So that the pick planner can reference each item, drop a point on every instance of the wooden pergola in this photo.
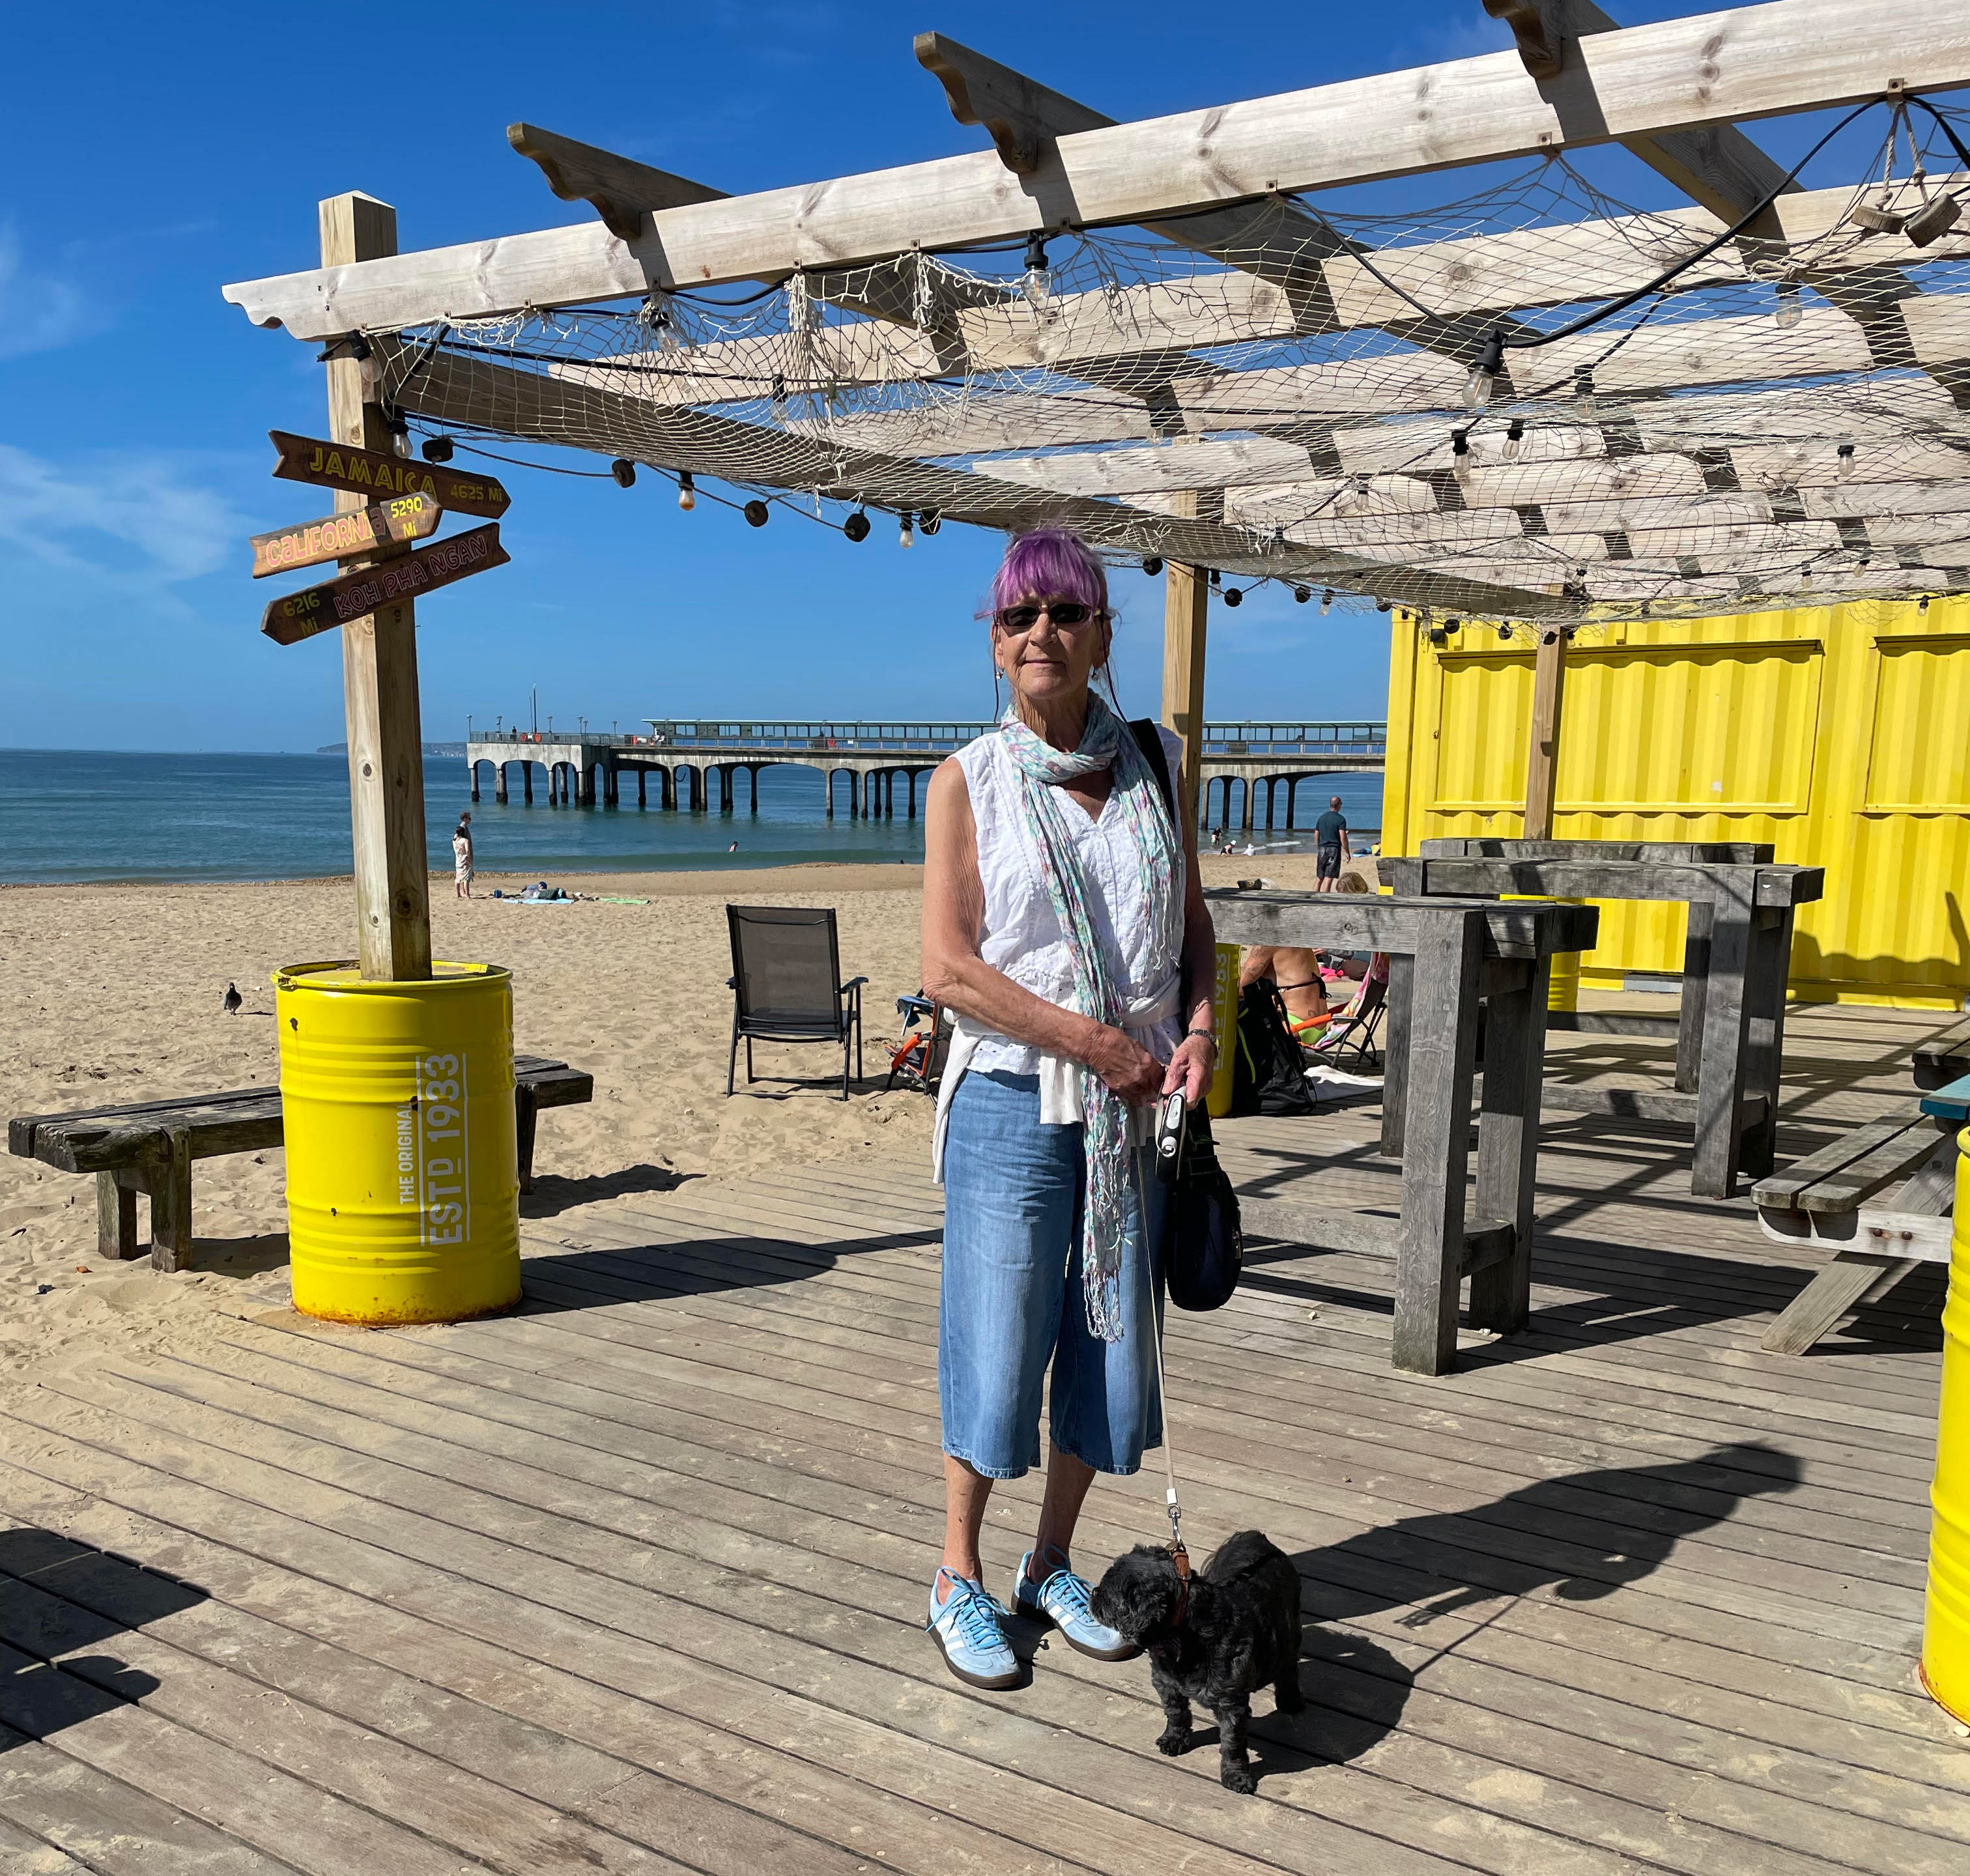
(1710, 463)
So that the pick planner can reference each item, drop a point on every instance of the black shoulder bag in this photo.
(1203, 1247)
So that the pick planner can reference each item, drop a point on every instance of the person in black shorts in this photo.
(1330, 846)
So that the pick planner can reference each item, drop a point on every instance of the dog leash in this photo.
(1179, 1556)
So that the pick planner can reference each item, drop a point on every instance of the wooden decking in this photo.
(632, 1581)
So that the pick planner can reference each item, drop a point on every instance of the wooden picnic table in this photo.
(1457, 955)
(1731, 1030)
(148, 1146)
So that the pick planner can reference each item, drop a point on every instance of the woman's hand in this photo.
(1190, 1068)
(1127, 1068)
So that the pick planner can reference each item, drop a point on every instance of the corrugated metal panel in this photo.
(1840, 734)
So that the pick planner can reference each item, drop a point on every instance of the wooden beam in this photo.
(1025, 120)
(1543, 758)
(379, 670)
(1791, 55)
(619, 189)
(1186, 611)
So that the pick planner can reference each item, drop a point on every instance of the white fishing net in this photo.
(1279, 391)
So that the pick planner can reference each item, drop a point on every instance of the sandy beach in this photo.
(112, 994)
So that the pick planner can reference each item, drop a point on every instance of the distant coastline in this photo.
(431, 749)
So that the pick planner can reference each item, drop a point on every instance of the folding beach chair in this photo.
(786, 984)
(918, 1058)
(1351, 1036)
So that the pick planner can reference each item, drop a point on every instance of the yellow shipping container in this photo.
(1840, 734)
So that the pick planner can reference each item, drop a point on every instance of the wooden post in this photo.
(1508, 1125)
(1186, 607)
(1542, 759)
(379, 670)
(1443, 1040)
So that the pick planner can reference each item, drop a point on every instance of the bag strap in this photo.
(1149, 740)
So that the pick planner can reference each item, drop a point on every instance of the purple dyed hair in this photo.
(1050, 564)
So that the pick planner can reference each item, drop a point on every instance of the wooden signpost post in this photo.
(299, 615)
(385, 502)
(338, 537)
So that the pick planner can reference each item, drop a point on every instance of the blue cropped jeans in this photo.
(1011, 1303)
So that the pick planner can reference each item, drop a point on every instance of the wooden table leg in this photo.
(1764, 1033)
(1396, 1001)
(1695, 975)
(1720, 1084)
(1443, 1036)
(170, 1205)
(524, 1110)
(1848, 1282)
(1508, 1147)
(116, 1217)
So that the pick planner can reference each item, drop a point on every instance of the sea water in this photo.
(83, 814)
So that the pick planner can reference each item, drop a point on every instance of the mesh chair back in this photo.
(786, 969)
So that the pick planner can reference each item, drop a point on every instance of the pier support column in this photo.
(725, 789)
(667, 788)
(827, 788)
(1292, 788)
(752, 773)
(912, 778)
(499, 783)
(642, 787)
(527, 780)
(472, 773)
(1250, 805)
(1272, 788)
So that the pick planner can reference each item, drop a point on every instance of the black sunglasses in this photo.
(1020, 619)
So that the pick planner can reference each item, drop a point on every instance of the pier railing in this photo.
(1355, 739)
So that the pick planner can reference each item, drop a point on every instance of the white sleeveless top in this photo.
(1021, 935)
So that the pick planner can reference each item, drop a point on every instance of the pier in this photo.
(688, 759)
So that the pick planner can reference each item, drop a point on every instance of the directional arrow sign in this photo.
(335, 602)
(371, 472)
(339, 537)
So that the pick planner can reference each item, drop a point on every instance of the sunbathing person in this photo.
(1295, 971)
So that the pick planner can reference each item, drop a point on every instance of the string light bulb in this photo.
(1327, 602)
(776, 398)
(687, 491)
(1460, 454)
(1484, 375)
(1515, 439)
(856, 526)
(1584, 405)
(437, 449)
(1845, 456)
(624, 471)
(930, 521)
(1038, 284)
(1789, 311)
(906, 535)
(756, 512)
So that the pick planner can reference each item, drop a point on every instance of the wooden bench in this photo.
(1945, 1057)
(1825, 1200)
(148, 1147)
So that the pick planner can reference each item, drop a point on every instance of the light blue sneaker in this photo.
(969, 1629)
(1060, 1598)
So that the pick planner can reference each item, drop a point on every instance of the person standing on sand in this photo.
(1330, 846)
(461, 857)
(1062, 917)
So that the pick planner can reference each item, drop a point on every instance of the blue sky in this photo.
(168, 150)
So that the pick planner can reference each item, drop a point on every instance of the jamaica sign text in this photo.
(371, 472)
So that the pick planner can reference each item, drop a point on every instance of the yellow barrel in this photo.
(1217, 1097)
(1945, 1635)
(403, 1179)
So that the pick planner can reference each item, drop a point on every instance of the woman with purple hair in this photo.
(1064, 927)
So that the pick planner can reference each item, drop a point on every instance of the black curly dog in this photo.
(1237, 1628)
